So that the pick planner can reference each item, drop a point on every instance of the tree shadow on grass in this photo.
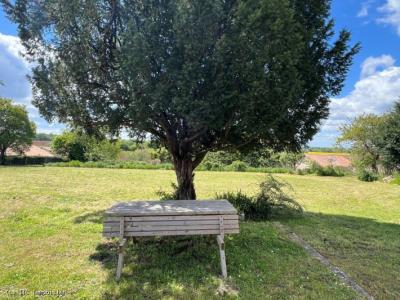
(261, 264)
(96, 217)
(365, 248)
(159, 267)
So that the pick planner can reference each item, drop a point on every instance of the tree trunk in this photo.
(3, 156)
(184, 176)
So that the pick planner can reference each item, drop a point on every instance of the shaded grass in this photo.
(50, 238)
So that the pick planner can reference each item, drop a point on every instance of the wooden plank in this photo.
(172, 207)
(174, 218)
(171, 233)
(170, 223)
(171, 228)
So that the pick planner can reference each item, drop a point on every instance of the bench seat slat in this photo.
(171, 207)
(170, 223)
(169, 228)
(169, 233)
(173, 218)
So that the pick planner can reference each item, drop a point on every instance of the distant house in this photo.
(326, 159)
(37, 149)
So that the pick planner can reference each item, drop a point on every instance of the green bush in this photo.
(112, 165)
(330, 171)
(75, 145)
(270, 199)
(367, 176)
(325, 171)
(29, 160)
(237, 166)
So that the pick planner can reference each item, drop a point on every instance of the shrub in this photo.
(173, 195)
(325, 171)
(237, 166)
(112, 165)
(367, 176)
(75, 145)
(270, 199)
(330, 171)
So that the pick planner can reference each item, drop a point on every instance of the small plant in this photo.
(367, 176)
(173, 195)
(271, 199)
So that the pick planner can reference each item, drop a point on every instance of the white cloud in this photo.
(364, 10)
(375, 93)
(371, 65)
(13, 73)
(391, 14)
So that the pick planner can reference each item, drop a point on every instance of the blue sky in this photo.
(372, 85)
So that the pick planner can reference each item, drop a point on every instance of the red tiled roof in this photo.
(38, 149)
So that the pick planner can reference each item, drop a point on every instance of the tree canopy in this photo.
(390, 142)
(197, 76)
(374, 140)
(16, 131)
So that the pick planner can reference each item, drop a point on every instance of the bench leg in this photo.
(121, 249)
(221, 244)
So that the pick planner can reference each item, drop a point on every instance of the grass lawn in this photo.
(50, 239)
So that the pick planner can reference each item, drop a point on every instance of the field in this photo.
(50, 239)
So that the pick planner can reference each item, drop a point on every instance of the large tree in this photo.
(390, 139)
(364, 135)
(16, 131)
(197, 76)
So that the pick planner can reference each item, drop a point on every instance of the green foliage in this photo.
(374, 140)
(290, 159)
(16, 130)
(324, 171)
(364, 136)
(390, 142)
(70, 145)
(78, 146)
(102, 150)
(261, 159)
(336, 149)
(368, 176)
(237, 166)
(173, 195)
(29, 160)
(113, 164)
(271, 199)
(40, 136)
(198, 76)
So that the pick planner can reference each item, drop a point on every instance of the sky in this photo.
(372, 85)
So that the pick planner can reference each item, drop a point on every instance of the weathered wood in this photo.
(169, 223)
(177, 207)
(121, 248)
(170, 228)
(170, 218)
(221, 245)
(169, 233)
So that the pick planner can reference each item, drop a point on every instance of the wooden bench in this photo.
(170, 218)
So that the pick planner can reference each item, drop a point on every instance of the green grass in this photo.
(50, 238)
(396, 180)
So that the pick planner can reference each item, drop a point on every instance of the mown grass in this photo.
(50, 238)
